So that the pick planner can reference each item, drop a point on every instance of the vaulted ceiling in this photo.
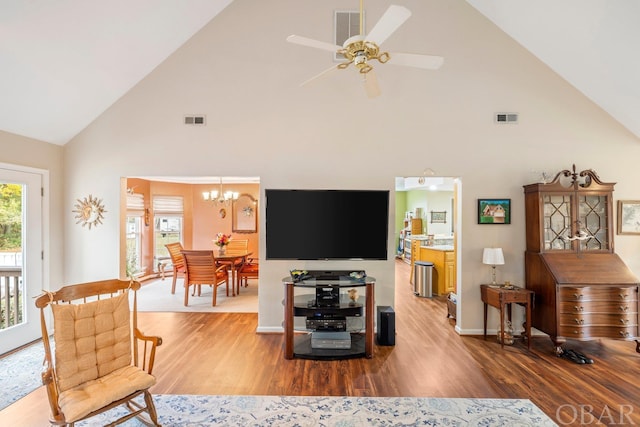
(63, 63)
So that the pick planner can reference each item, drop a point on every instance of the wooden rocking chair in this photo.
(96, 364)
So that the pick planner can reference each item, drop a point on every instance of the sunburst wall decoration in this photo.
(89, 211)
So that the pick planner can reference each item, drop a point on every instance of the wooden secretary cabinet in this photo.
(583, 290)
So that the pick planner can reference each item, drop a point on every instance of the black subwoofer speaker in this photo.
(386, 325)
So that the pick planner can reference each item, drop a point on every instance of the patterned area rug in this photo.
(20, 373)
(194, 410)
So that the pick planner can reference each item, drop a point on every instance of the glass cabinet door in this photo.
(593, 220)
(557, 221)
(582, 228)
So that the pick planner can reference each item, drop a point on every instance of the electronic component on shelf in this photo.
(328, 296)
(327, 324)
(332, 340)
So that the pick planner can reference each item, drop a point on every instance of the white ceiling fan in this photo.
(362, 49)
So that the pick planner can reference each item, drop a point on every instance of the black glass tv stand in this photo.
(319, 314)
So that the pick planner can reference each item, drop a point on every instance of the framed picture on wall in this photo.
(628, 216)
(438, 217)
(494, 211)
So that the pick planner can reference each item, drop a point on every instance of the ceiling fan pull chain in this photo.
(361, 18)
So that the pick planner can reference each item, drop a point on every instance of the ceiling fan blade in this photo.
(388, 23)
(317, 76)
(428, 62)
(371, 84)
(304, 41)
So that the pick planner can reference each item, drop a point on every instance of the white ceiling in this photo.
(63, 63)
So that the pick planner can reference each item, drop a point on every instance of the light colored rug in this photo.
(318, 411)
(156, 296)
(20, 373)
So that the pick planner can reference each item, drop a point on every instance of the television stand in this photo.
(322, 322)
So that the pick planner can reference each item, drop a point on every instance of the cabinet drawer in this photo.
(602, 319)
(608, 293)
(612, 307)
(586, 332)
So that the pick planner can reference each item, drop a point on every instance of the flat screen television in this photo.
(326, 224)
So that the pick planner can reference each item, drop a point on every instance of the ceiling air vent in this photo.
(195, 120)
(347, 24)
(506, 117)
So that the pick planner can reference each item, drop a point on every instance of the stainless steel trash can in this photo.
(422, 284)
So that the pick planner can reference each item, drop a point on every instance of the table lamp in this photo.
(493, 257)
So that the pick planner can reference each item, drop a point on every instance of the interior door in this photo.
(22, 281)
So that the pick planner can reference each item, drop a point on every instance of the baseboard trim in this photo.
(270, 330)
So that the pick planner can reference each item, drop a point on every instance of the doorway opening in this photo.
(157, 210)
(427, 230)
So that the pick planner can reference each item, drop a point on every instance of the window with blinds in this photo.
(135, 212)
(168, 221)
(135, 202)
(168, 204)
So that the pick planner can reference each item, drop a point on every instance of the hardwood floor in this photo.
(220, 353)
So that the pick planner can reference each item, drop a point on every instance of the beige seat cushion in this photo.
(79, 401)
(93, 355)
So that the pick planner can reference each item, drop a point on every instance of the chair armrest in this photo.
(148, 349)
(51, 387)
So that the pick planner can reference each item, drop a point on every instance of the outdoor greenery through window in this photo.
(10, 218)
(134, 248)
(168, 214)
(168, 229)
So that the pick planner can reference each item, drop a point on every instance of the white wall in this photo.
(241, 73)
(428, 201)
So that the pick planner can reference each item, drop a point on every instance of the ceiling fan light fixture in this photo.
(353, 39)
(383, 57)
(360, 62)
(361, 49)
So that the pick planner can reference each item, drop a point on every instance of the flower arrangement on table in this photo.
(222, 240)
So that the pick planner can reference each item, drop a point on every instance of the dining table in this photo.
(233, 258)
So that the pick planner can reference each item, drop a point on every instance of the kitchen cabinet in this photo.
(583, 290)
(415, 232)
(444, 267)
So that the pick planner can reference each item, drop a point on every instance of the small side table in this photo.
(499, 297)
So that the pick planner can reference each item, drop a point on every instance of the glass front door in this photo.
(21, 265)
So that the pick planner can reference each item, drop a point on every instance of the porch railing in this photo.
(11, 297)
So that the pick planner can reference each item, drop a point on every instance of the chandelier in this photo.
(220, 196)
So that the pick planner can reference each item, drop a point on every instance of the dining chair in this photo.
(241, 245)
(101, 359)
(201, 269)
(177, 260)
(238, 245)
(249, 270)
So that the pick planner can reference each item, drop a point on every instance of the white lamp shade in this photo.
(492, 256)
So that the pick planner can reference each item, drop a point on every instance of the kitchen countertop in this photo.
(439, 247)
(417, 237)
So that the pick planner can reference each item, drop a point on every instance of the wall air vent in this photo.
(506, 118)
(347, 24)
(199, 120)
